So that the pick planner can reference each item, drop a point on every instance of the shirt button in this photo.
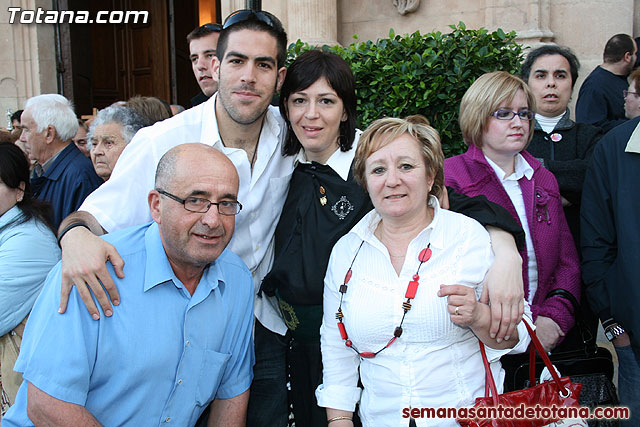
(179, 381)
(188, 343)
(257, 247)
(167, 419)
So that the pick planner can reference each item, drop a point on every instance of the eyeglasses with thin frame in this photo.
(200, 205)
(628, 92)
(255, 15)
(509, 115)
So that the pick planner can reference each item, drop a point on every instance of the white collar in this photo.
(209, 127)
(633, 146)
(366, 227)
(269, 141)
(522, 168)
(548, 123)
(340, 161)
(272, 123)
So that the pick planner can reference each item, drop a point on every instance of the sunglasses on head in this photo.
(212, 26)
(252, 15)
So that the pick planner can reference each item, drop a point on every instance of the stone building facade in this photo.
(584, 26)
(28, 52)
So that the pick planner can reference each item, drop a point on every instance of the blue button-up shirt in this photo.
(162, 357)
(27, 252)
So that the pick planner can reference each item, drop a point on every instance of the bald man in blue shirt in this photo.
(181, 339)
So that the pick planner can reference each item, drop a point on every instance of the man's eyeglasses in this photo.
(253, 15)
(212, 26)
(200, 205)
(509, 115)
(628, 92)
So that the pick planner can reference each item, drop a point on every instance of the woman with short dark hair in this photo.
(563, 146)
(318, 103)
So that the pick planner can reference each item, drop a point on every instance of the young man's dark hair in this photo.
(257, 20)
(204, 30)
(551, 49)
(16, 116)
(617, 47)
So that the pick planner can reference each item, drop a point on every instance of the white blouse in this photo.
(435, 363)
(511, 185)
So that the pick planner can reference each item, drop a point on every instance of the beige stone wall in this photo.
(27, 52)
(583, 25)
(27, 58)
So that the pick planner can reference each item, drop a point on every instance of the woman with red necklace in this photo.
(401, 309)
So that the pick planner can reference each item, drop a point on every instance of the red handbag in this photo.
(560, 392)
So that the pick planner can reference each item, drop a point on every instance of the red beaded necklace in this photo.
(412, 288)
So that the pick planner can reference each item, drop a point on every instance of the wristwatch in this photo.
(613, 331)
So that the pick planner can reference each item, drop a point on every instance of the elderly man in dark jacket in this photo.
(62, 176)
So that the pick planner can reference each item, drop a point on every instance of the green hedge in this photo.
(423, 74)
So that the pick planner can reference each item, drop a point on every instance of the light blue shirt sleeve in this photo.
(58, 351)
(239, 371)
(27, 252)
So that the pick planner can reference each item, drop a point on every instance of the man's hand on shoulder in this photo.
(84, 255)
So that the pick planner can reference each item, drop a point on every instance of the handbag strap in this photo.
(489, 383)
(545, 358)
(536, 345)
(532, 366)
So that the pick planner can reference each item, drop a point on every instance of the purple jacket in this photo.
(558, 263)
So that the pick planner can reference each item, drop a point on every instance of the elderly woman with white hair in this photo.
(110, 132)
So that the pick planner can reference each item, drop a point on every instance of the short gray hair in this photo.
(54, 110)
(130, 121)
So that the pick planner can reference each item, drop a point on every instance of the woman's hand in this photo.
(465, 311)
(461, 304)
(548, 332)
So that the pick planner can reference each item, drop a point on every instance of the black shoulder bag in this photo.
(587, 364)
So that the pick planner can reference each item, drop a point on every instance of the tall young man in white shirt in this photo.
(239, 122)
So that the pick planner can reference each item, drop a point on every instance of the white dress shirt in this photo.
(435, 363)
(122, 200)
(511, 185)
